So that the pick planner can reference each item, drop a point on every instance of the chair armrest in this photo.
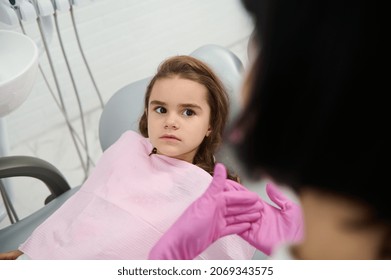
(14, 166)
(14, 235)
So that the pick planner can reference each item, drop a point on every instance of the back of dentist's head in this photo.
(314, 114)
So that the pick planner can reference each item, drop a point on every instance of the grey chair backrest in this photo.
(123, 110)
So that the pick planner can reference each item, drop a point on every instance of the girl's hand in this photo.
(11, 255)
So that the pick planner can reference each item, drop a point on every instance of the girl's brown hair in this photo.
(190, 68)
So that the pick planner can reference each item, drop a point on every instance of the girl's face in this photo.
(178, 117)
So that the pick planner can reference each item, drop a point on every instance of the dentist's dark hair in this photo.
(316, 115)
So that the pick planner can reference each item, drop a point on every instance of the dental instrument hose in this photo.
(75, 89)
(9, 207)
(41, 30)
(59, 106)
(84, 58)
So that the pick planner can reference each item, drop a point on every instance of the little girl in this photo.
(143, 183)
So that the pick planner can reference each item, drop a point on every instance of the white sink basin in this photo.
(18, 69)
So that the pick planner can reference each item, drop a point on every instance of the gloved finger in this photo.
(243, 209)
(219, 178)
(232, 185)
(239, 198)
(243, 218)
(235, 229)
(277, 196)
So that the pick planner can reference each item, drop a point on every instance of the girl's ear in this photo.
(209, 131)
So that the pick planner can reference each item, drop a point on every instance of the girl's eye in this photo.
(188, 112)
(160, 110)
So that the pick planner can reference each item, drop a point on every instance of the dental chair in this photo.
(120, 113)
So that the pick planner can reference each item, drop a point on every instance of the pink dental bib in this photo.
(127, 203)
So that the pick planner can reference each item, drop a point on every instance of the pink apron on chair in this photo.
(124, 206)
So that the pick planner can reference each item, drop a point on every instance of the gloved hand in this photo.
(276, 225)
(218, 212)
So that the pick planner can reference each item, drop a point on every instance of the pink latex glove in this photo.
(218, 212)
(276, 225)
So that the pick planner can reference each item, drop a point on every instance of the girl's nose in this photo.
(171, 122)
